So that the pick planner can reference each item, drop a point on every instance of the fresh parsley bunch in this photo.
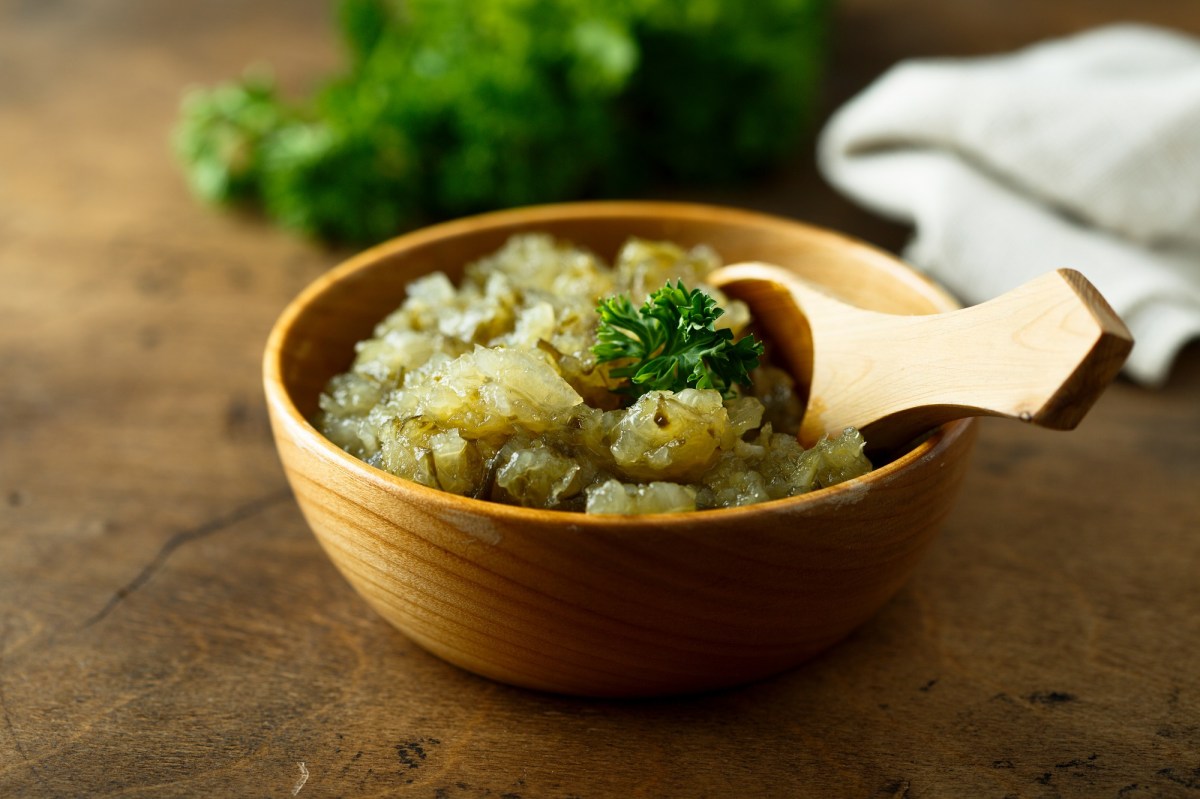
(671, 343)
(449, 107)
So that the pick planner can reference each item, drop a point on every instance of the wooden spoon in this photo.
(1041, 353)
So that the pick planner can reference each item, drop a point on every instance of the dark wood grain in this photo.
(169, 627)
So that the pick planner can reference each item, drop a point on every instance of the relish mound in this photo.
(490, 390)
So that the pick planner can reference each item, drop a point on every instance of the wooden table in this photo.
(169, 627)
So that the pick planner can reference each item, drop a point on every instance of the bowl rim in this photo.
(307, 437)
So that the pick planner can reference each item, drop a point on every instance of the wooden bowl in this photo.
(607, 605)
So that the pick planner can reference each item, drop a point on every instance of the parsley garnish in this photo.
(672, 344)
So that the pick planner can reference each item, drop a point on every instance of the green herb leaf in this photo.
(449, 107)
(671, 343)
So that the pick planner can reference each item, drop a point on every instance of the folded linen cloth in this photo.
(1082, 152)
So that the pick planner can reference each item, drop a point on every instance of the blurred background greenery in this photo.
(450, 107)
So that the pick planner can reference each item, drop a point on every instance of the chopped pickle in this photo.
(613, 496)
(490, 389)
(671, 436)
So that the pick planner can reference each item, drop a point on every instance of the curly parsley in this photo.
(670, 343)
(449, 107)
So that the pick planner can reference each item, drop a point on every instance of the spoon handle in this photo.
(1041, 353)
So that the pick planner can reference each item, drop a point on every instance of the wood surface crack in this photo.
(215, 525)
(12, 731)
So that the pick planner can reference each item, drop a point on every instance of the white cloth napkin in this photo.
(1082, 152)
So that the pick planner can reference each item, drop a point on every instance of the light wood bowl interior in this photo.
(607, 606)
